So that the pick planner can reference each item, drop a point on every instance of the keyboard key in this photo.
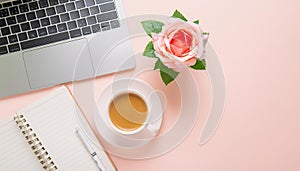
(14, 10)
(94, 10)
(114, 24)
(79, 4)
(18, 2)
(53, 2)
(33, 5)
(91, 20)
(107, 16)
(64, 17)
(102, 1)
(42, 32)
(41, 13)
(4, 13)
(60, 9)
(72, 25)
(3, 50)
(5, 31)
(63, 1)
(74, 15)
(2, 23)
(12, 39)
(25, 26)
(22, 36)
(43, 3)
(55, 19)
(32, 34)
(75, 33)
(15, 29)
(107, 7)
(23, 8)
(105, 26)
(96, 28)
(70, 6)
(86, 30)
(3, 41)
(50, 11)
(35, 24)
(8, 4)
(45, 40)
(11, 20)
(14, 48)
(25, 1)
(89, 3)
(30, 16)
(81, 22)
(45, 21)
(52, 29)
(84, 12)
(21, 18)
(62, 27)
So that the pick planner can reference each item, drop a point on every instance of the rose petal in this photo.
(191, 61)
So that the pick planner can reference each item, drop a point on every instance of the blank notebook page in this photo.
(54, 119)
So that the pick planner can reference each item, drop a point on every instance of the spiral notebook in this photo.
(42, 137)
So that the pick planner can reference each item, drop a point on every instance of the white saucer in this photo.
(101, 117)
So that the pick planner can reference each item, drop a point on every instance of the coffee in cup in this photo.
(128, 111)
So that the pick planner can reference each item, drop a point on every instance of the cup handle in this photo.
(152, 129)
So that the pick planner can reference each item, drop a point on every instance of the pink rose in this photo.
(179, 44)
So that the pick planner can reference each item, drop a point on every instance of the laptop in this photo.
(49, 42)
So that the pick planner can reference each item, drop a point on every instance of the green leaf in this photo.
(200, 65)
(158, 64)
(177, 14)
(196, 22)
(205, 33)
(167, 79)
(167, 74)
(152, 26)
(149, 50)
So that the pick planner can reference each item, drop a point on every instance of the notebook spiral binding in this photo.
(35, 144)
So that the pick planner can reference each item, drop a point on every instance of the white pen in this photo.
(90, 149)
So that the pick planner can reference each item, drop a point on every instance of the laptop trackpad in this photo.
(58, 64)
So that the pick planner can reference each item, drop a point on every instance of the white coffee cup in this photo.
(147, 130)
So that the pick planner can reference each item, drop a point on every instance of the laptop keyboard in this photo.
(25, 24)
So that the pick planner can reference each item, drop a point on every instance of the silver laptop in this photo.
(48, 42)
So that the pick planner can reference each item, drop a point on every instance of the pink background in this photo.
(258, 45)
